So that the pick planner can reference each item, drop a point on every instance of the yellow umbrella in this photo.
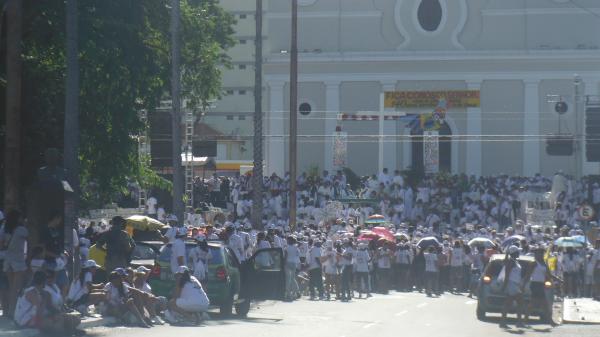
(144, 223)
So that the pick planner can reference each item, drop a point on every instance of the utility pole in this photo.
(579, 137)
(257, 170)
(176, 111)
(14, 66)
(293, 114)
(71, 127)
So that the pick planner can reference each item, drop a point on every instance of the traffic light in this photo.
(592, 134)
(559, 145)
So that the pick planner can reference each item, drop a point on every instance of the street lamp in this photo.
(293, 115)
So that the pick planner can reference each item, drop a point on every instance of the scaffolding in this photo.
(189, 161)
(143, 153)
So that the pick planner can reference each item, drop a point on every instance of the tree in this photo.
(124, 64)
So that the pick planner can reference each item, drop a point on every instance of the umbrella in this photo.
(566, 242)
(581, 239)
(400, 236)
(482, 242)
(376, 216)
(384, 233)
(144, 223)
(368, 235)
(428, 241)
(512, 240)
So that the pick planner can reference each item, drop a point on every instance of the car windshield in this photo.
(143, 252)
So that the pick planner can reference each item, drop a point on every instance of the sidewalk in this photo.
(581, 311)
(9, 329)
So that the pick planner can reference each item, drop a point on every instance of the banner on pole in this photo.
(431, 151)
(340, 149)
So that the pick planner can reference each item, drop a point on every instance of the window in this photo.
(230, 118)
(242, 16)
(242, 66)
(242, 118)
(430, 14)
(242, 92)
(242, 41)
(229, 92)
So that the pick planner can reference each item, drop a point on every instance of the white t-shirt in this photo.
(383, 261)
(361, 261)
(151, 204)
(177, 250)
(314, 254)
(293, 254)
(76, 290)
(171, 234)
(193, 293)
(331, 263)
(431, 262)
(55, 295)
(114, 298)
(458, 257)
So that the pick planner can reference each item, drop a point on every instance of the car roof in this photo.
(214, 244)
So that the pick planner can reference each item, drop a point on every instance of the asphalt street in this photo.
(407, 314)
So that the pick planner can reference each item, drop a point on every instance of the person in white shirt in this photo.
(151, 207)
(384, 268)
(361, 268)
(330, 267)
(83, 292)
(404, 259)
(178, 252)
(346, 265)
(314, 270)
(199, 258)
(189, 301)
(431, 271)
(570, 264)
(292, 264)
(118, 299)
(457, 262)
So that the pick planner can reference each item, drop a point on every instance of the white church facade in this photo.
(499, 65)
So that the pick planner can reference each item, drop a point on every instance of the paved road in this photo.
(409, 314)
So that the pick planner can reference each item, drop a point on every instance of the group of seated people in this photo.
(126, 296)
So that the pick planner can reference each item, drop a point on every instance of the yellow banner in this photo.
(430, 99)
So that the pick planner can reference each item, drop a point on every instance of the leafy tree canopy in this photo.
(124, 54)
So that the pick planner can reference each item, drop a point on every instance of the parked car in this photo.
(229, 284)
(491, 298)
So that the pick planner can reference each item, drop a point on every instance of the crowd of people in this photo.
(438, 236)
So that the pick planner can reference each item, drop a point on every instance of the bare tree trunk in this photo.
(14, 67)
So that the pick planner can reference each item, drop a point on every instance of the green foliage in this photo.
(124, 59)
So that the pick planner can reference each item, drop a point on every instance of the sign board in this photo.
(430, 99)
(340, 149)
(586, 212)
(431, 152)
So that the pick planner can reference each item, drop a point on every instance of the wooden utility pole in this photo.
(71, 126)
(293, 114)
(178, 205)
(257, 170)
(14, 67)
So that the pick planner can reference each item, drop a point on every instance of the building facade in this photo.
(519, 57)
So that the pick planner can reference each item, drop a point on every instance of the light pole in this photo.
(293, 115)
(257, 170)
(176, 111)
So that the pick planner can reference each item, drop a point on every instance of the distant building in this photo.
(515, 55)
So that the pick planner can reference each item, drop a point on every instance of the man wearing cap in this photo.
(178, 256)
(119, 245)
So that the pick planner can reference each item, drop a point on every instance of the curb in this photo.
(90, 323)
(581, 311)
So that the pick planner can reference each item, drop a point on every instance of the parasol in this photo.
(566, 242)
(512, 240)
(144, 223)
(384, 233)
(427, 242)
(482, 242)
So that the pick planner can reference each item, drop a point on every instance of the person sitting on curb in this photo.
(189, 301)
